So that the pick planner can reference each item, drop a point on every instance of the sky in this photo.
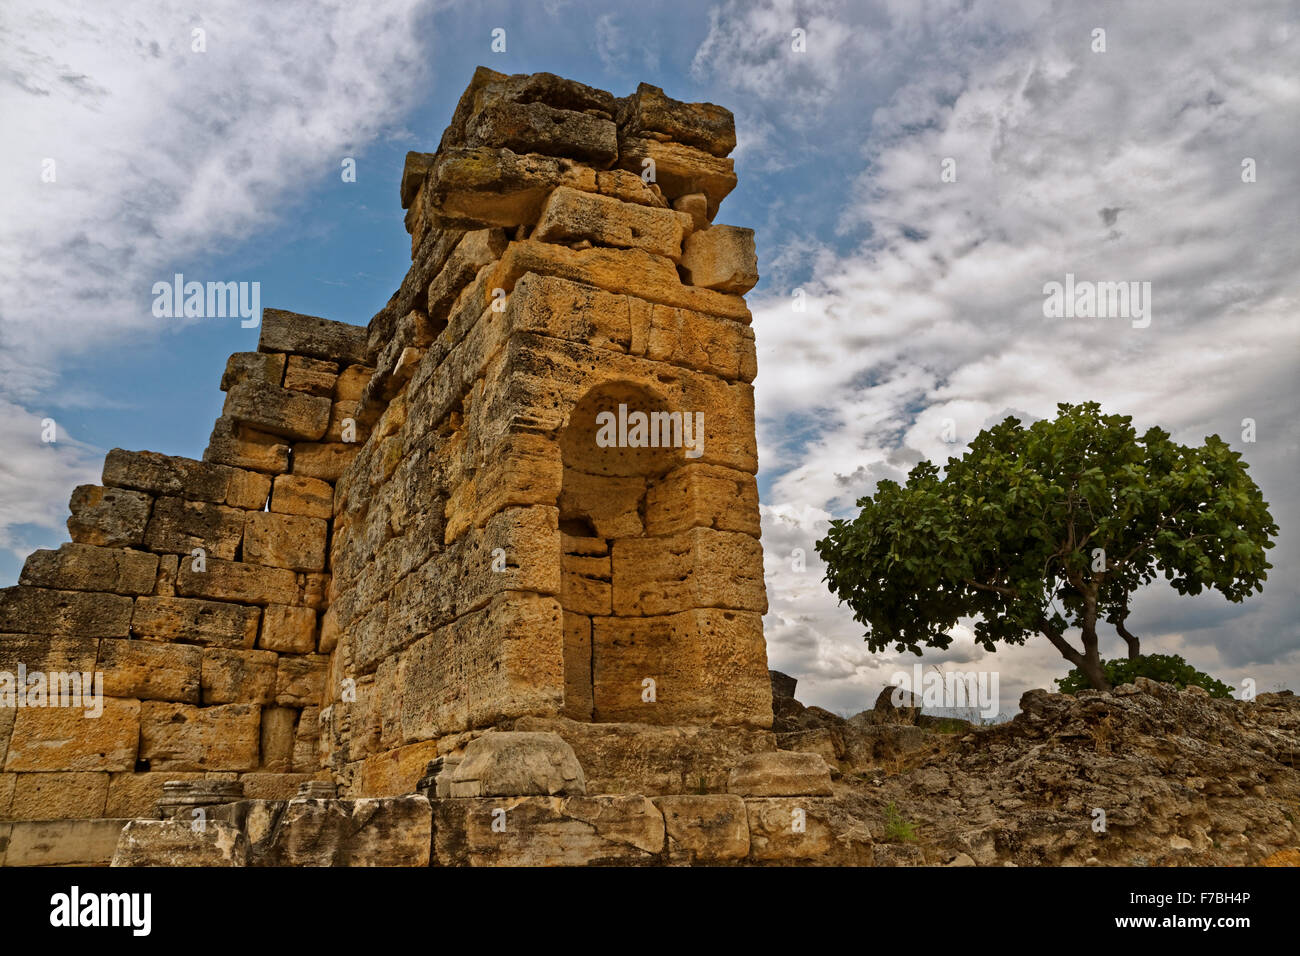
(915, 173)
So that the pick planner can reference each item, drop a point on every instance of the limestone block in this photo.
(722, 258)
(272, 786)
(391, 831)
(300, 495)
(629, 271)
(134, 795)
(790, 828)
(48, 653)
(701, 125)
(781, 773)
(62, 842)
(706, 828)
(577, 666)
(548, 831)
(489, 87)
(629, 187)
(54, 796)
(312, 336)
(585, 586)
(300, 680)
(326, 461)
(28, 610)
(65, 738)
(84, 567)
(352, 382)
(243, 447)
(703, 496)
(394, 772)
(176, 843)
(414, 169)
(473, 188)
(208, 623)
(278, 726)
(306, 741)
(150, 671)
(178, 526)
(163, 475)
(518, 764)
(238, 581)
(680, 170)
(289, 541)
(277, 411)
(183, 737)
(238, 676)
(313, 376)
(253, 367)
(696, 568)
(535, 127)
(570, 215)
(289, 630)
(108, 517)
(695, 205)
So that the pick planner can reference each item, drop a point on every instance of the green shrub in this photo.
(1165, 668)
(898, 828)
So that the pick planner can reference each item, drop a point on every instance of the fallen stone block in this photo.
(781, 773)
(518, 764)
(178, 843)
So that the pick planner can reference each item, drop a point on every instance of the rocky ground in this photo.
(1143, 776)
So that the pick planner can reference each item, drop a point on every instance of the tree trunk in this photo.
(1134, 645)
(1091, 664)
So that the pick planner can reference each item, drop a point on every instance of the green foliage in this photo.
(1166, 668)
(898, 828)
(1009, 536)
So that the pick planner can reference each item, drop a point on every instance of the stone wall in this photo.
(492, 561)
(195, 589)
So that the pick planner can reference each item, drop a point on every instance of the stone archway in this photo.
(602, 502)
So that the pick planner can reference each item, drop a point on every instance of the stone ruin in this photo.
(480, 583)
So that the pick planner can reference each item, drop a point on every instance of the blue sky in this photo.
(923, 297)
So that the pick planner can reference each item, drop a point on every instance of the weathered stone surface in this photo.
(300, 680)
(392, 831)
(289, 541)
(178, 526)
(243, 447)
(395, 772)
(680, 170)
(62, 842)
(28, 610)
(167, 477)
(473, 252)
(277, 411)
(238, 581)
(48, 653)
(326, 461)
(781, 773)
(150, 671)
(215, 623)
(695, 205)
(352, 382)
(238, 676)
(135, 795)
(703, 496)
(474, 188)
(300, 495)
(312, 336)
(176, 843)
(799, 829)
(488, 87)
(649, 113)
(108, 517)
(721, 258)
(629, 187)
(84, 567)
(313, 376)
(708, 828)
(58, 796)
(253, 367)
(633, 271)
(65, 738)
(278, 734)
(183, 737)
(535, 127)
(290, 630)
(570, 216)
(548, 831)
(518, 764)
(697, 568)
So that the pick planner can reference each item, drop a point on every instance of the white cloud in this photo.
(1115, 166)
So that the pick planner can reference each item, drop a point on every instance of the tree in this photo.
(1037, 530)
(1166, 668)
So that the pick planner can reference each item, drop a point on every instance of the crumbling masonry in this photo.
(411, 558)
